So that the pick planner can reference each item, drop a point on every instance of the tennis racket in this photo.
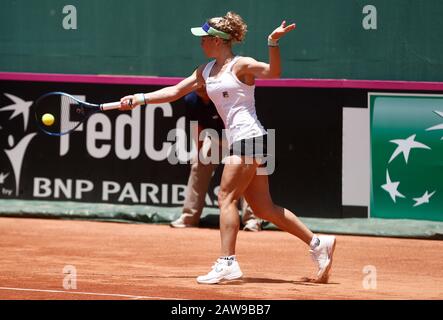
(59, 113)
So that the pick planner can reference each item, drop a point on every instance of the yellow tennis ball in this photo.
(48, 119)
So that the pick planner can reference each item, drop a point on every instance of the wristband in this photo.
(272, 42)
(140, 99)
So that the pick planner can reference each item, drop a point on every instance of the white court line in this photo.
(90, 293)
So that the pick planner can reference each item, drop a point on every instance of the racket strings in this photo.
(72, 114)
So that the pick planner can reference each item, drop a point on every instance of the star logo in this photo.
(20, 107)
(392, 187)
(439, 126)
(405, 146)
(423, 199)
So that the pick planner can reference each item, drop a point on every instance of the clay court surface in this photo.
(156, 262)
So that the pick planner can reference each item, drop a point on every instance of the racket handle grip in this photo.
(110, 106)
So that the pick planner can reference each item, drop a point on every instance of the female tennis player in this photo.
(230, 83)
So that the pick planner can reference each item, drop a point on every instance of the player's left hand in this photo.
(281, 30)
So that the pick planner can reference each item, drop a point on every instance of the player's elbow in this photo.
(174, 93)
(274, 74)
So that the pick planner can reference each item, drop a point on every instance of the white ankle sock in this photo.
(231, 258)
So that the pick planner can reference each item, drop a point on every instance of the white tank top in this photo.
(235, 103)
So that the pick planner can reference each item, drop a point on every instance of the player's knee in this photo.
(226, 199)
(194, 167)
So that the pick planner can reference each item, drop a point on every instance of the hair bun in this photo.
(231, 23)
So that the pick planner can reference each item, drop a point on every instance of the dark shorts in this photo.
(253, 147)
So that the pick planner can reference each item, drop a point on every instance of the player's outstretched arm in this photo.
(167, 94)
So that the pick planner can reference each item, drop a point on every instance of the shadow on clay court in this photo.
(244, 280)
(304, 282)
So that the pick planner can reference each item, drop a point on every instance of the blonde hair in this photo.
(232, 24)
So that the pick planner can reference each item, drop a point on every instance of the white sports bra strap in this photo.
(207, 69)
(231, 64)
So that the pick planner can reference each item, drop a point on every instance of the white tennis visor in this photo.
(207, 30)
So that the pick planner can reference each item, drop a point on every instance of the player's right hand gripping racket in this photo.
(65, 112)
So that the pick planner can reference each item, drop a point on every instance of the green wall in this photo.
(152, 37)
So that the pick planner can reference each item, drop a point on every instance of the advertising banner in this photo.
(142, 157)
(116, 157)
(407, 156)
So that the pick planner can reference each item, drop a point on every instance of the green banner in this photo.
(407, 156)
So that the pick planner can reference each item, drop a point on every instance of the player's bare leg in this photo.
(235, 179)
(322, 247)
(259, 198)
(237, 174)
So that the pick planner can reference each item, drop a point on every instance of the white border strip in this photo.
(90, 293)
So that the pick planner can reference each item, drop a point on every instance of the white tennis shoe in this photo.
(253, 225)
(183, 222)
(222, 270)
(322, 256)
